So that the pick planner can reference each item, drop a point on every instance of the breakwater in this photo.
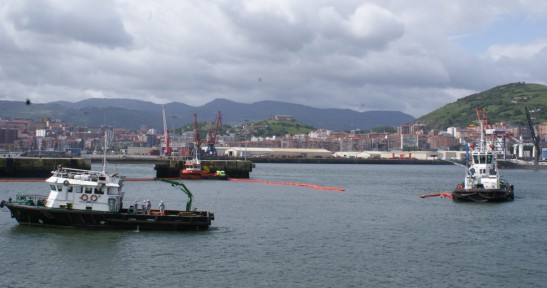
(168, 167)
(349, 161)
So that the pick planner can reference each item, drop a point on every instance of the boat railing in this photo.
(30, 200)
(87, 175)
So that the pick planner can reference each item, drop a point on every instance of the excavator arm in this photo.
(184, 189)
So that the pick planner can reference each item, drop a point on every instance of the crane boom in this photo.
(535, 137)
(212, 139)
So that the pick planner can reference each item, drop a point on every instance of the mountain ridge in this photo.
(131, 114)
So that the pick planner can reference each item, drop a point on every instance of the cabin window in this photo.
(113, 191)
(98, 191)
(59, 188)
(88, 190)
(52, 187)
(69, 188)
(78, 189)
(482, 159)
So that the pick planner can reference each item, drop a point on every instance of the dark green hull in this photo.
(88, 219)
(483, 195)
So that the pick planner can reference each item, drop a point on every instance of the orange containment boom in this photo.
(442, 195)
(289, 184)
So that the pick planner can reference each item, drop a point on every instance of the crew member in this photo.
(144, 206)
(162, 208)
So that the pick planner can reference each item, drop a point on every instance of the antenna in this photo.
(104, 149)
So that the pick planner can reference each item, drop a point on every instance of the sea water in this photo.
(376, 233)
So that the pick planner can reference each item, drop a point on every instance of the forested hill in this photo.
(503, 103)
(131, 114)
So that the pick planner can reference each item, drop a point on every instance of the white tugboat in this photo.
(482, 181)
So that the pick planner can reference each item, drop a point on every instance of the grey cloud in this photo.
(269, 29)
(375, 55)
(368, 27)
(91, 22)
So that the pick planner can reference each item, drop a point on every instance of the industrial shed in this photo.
(277, 152)
(420, 155)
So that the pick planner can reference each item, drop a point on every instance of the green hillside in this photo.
(502, 104)
(266, 128)
(280, 128)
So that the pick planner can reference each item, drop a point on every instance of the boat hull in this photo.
(483, 195)
(88, 219)
(200, 175)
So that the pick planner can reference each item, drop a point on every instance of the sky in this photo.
(409, 56)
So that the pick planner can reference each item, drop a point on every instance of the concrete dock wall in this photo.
(21, 167)
(232, 168)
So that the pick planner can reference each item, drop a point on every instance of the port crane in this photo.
(165, 132)
(212, 137)
(535, 138)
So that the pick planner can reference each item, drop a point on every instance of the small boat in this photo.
(93, 199)
(193, 170)
(482, 181)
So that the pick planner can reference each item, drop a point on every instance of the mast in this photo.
(481, 123)
(104, 149)
(165, 132)
(197, 147)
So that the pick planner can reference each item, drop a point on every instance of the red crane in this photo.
(212, 138)
(483, 118)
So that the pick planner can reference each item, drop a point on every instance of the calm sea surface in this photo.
(377, 233)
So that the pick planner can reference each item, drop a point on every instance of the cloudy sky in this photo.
(411, 56)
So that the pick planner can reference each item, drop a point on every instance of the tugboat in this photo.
(482, 181)
(93, 199)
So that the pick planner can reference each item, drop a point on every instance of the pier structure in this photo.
(232, 168)
(37, 167)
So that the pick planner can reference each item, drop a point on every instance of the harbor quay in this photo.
(234, 167)
(166, 167)
(38, 167)
(169, 167)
